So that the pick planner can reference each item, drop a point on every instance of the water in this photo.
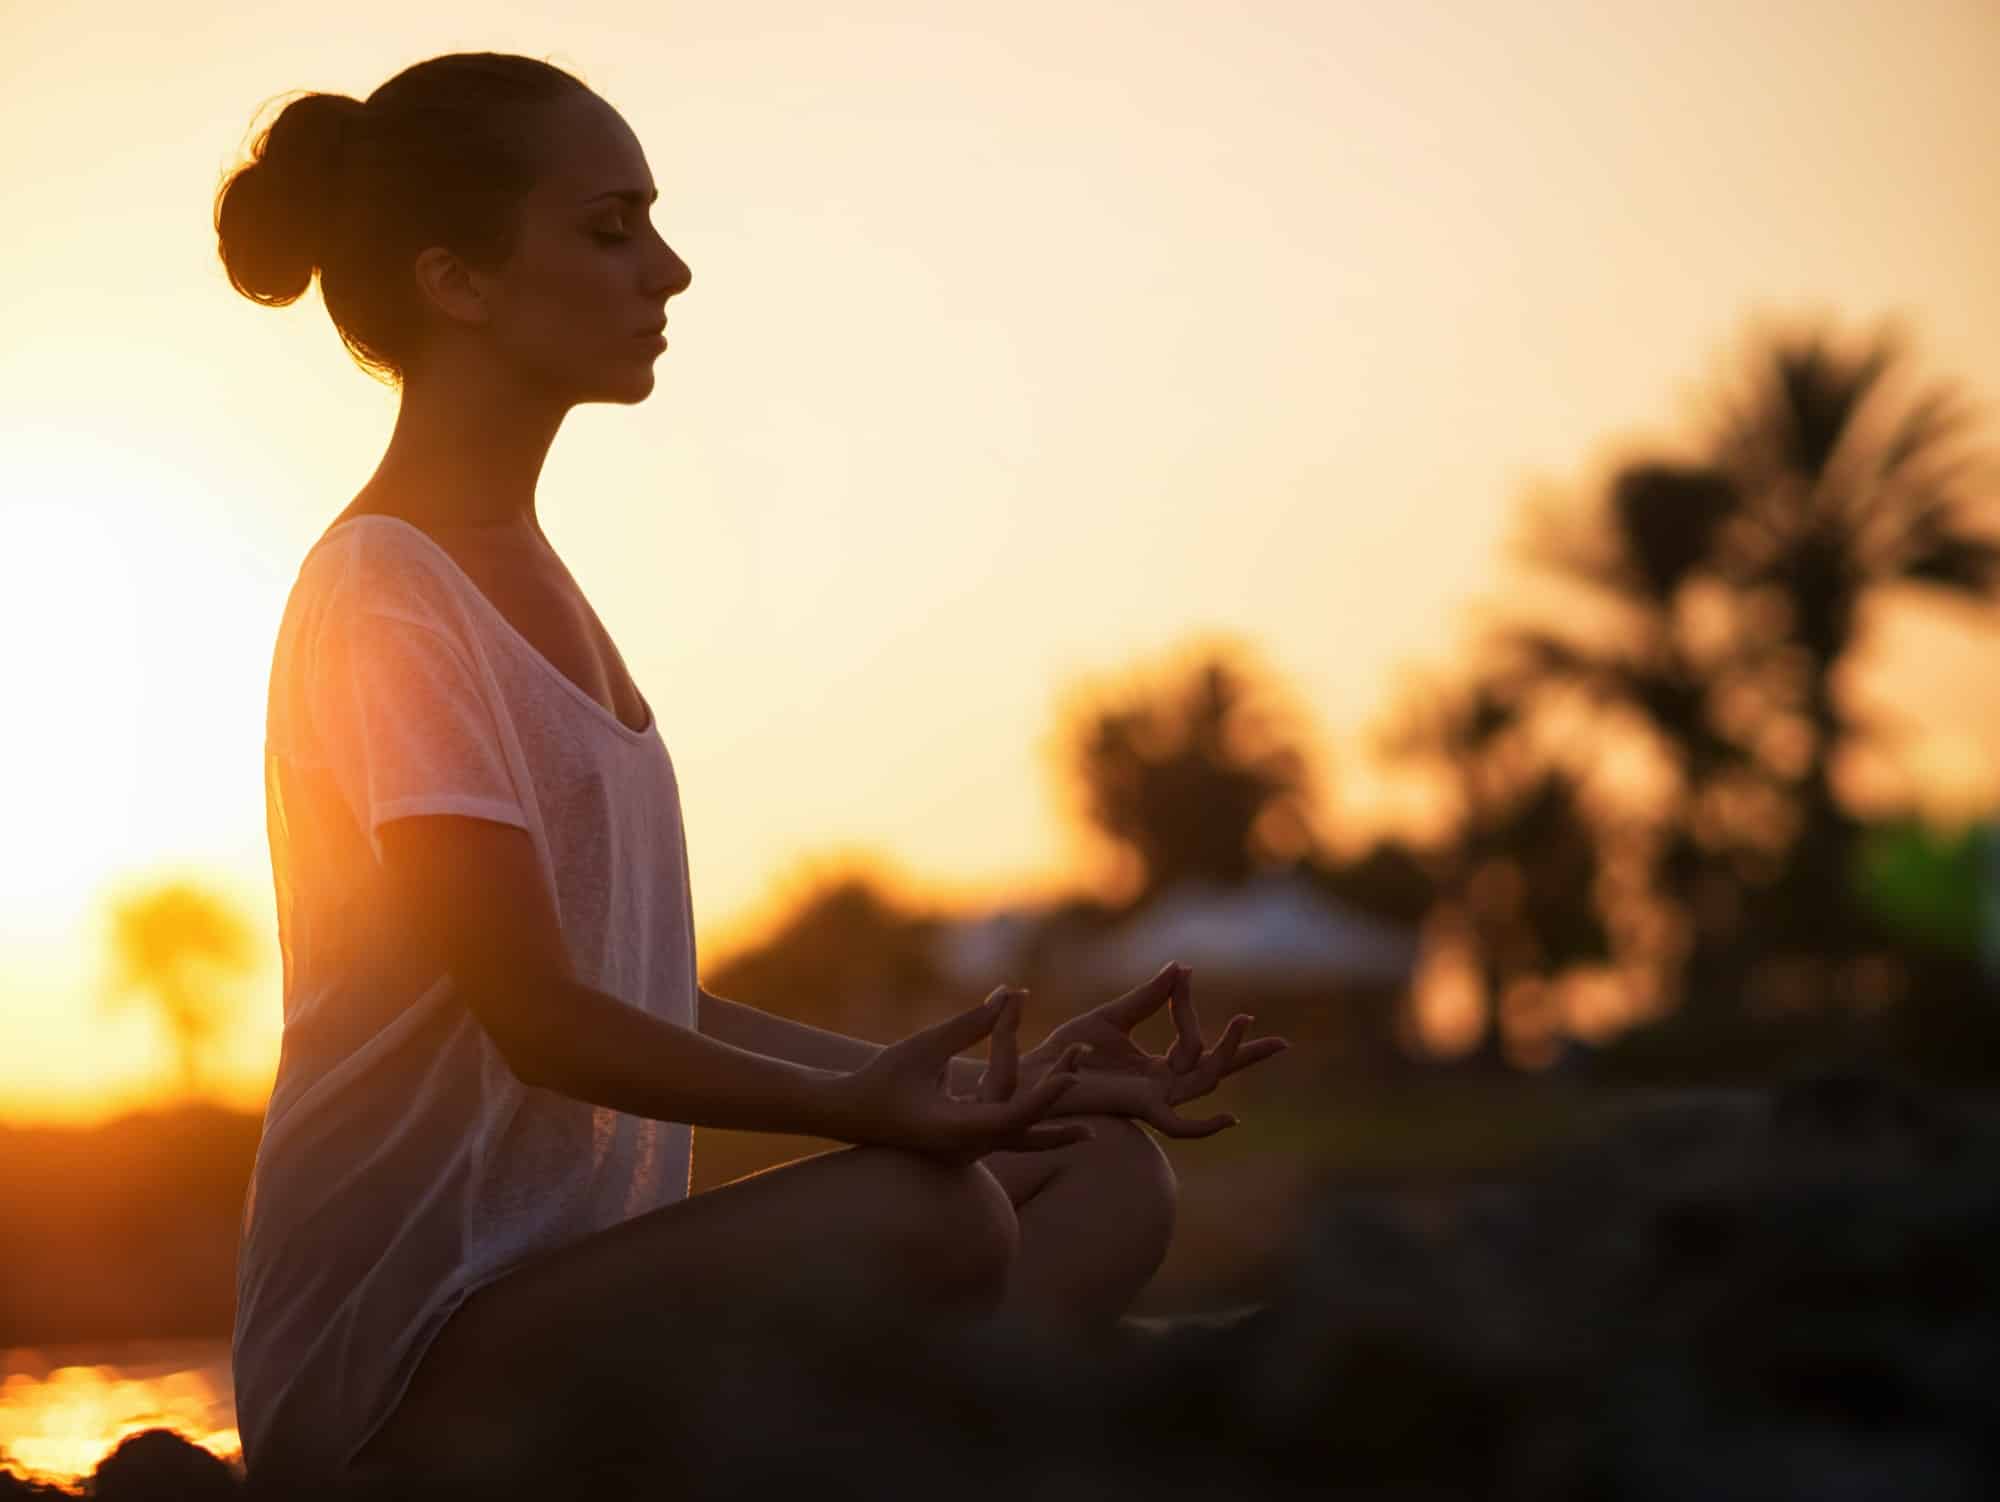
(63, 1407)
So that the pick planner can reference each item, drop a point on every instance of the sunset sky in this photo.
(1025, 344)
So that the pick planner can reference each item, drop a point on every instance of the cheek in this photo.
(577, 297)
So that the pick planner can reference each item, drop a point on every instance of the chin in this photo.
(633, 383)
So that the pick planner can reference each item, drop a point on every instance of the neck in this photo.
(466, 453)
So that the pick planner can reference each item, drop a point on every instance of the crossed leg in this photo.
(1095, 1221)
(1063, 1239)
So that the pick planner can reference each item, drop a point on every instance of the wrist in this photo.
(833, 1105)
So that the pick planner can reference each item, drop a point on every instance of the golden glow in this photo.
(68, 609)
(1449, 1003)
(57, 1421)
(1014, 354)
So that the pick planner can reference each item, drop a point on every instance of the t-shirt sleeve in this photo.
(401, 719)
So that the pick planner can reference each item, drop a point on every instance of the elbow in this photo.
(526, 1060)
(529, 1065)
(526, 1051)
(535, 1057)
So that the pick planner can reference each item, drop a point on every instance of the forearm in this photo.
(762, 1032)
(613, 1054)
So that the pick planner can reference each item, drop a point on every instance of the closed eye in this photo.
(604, 238)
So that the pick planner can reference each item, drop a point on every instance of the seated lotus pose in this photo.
(495, 1048)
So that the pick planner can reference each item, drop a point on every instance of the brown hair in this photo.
(441, 154)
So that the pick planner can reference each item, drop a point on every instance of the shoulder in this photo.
(372, 564)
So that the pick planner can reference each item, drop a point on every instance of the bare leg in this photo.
(1063, 1238)
(860, 1227)
(1095, 1222)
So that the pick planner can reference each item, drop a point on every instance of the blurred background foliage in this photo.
(1655, 868)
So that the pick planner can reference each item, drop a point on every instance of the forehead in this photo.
(590, 150)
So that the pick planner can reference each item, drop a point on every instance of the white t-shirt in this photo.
(403, 1164)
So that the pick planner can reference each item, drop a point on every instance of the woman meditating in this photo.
(495, 1047)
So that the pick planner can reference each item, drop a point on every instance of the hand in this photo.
(1120, 1077)
(900, 1098)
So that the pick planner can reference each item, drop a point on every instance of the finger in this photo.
(1216, 1063)
(1222, 1058)
(943, 1039)
(1003, 1059)
(1187, 1050)
(1035, 1103)
(1251, 1052)
(1026, 1106)
(1005, 1125)
(1177, 1126)
(1044, 1135)
(1139, 1003)
(1225, 1051)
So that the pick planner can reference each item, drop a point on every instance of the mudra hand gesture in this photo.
(1117, 1077)
(902, 1097)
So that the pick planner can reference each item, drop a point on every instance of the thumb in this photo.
(1144, 999)
(943, 1039)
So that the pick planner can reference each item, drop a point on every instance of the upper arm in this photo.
(407, 723)
(474, 898)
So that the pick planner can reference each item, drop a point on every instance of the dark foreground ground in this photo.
(1782, 1294)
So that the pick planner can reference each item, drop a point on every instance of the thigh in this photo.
(859, 1227)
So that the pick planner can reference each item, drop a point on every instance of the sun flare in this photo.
(69, 611)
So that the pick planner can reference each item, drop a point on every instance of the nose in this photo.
(678, 276)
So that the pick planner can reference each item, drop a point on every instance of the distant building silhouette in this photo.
(1270, 928)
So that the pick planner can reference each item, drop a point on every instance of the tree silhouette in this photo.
(1738, 584)
(1518, 875)
(1200, 777)
(176, 946)
(847, 955)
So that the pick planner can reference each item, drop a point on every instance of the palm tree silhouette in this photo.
(1202, 776)
(174, 946)
(1519, 872)
(1741, 581)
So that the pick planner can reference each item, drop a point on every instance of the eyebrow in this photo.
(630, 195)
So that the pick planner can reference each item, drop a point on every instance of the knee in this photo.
(955, 1230)
(1137, 1180)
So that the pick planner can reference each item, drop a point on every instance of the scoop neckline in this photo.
(609, 717)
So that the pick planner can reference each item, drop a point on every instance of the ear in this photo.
(447, 284)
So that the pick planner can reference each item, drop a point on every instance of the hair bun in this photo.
(274, 215)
